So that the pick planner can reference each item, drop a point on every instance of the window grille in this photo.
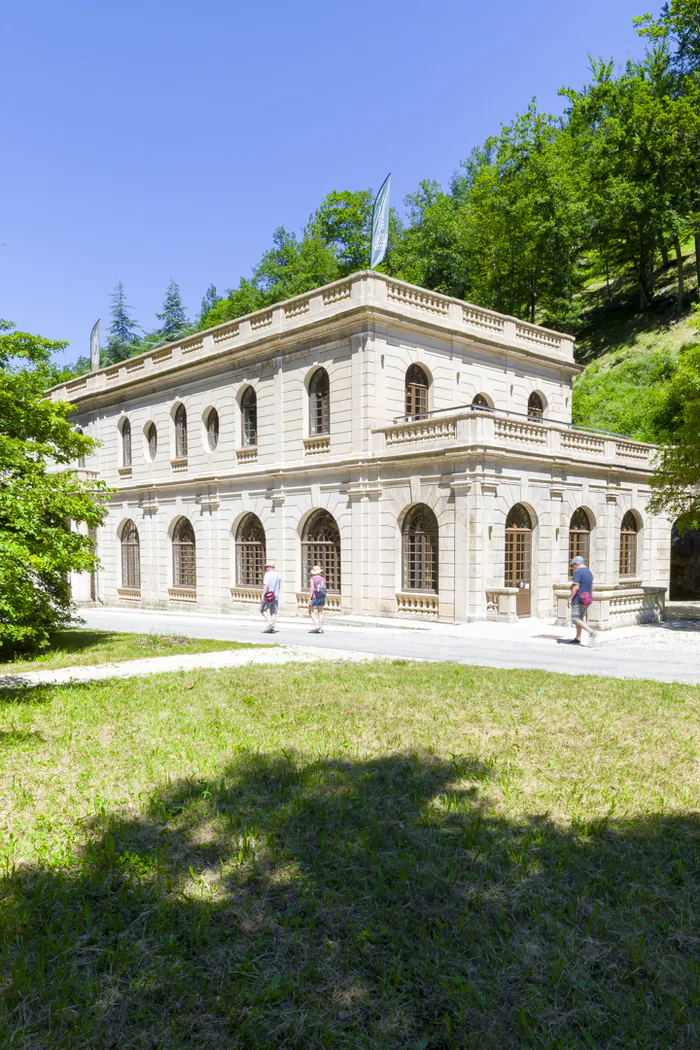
(249, 409)
(628, 545)
(319, 403)
(213, 429)
(131, 557)
(152, 438)
(181, 432)
(320, 545)
(535, 406)
(420, 550)
(184, 555)
(518, 567)
(480, 402)
(250, 552)
(416, 392)
(579, 537)
(126, 443)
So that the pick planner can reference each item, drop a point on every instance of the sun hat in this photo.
(578, 560)
(269, 565)
(317, 570)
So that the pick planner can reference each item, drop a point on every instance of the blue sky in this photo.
(144, 140)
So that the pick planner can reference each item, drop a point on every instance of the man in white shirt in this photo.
(270, 595)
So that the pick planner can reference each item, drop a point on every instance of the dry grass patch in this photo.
(75, 647)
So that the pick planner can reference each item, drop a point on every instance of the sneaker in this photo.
(575, 641)
(594, 640)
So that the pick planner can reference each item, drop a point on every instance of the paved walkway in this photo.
(189, 662)
(667, 652)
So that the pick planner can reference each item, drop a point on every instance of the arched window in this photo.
(535, 406)
(213, 429)
(250, 552)
(81, 459)
(416, 392)
(249, 416)
(131, 557)
(181, 432)
(518, 557)
(480, 402)
(420, 550)
(152, 439)
(579, 537)
(319, 403)
(628, 544)
(184, 555)
(126, 443)
(320, 545)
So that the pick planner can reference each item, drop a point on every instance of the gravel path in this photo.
(267, 657)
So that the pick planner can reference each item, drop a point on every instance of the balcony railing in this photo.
(475, 425)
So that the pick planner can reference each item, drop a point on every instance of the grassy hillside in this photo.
(631, 356)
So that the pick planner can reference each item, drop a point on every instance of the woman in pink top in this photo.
(317, 598)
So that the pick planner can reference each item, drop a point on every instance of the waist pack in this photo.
(585, 598)
(269, 596)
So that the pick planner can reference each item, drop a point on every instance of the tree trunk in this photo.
(607, 278)
(681, 278)
(697, 259)
(664, 249)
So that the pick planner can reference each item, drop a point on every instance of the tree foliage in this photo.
(676, 482)
(123, 335)
(173, 318)
(38, 547)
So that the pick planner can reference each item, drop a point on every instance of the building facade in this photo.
(418, 447)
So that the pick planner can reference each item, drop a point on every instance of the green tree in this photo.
(677, 31)
(343, 223)
(429, 250)
(173, 317)
(123, 337)
(209, 301)
(676, 481)
(38, 547)
(522, 221)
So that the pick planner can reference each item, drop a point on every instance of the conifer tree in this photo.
(123, 338)
(209, 301)
(174, 318)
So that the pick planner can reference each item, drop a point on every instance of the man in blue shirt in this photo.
(580, 598)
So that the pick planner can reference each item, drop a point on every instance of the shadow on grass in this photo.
(378, 904)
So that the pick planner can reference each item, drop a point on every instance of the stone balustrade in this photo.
(615, 605)
(489, 428)
(369, 290)
(501, 604)
(333, 602)
(419, 604)
(246, 595)
(183, 594)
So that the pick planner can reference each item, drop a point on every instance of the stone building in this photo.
(418, 447)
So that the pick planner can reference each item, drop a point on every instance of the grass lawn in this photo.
(78, 646)
(346, 856)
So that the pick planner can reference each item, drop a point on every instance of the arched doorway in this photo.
(320, 545)
(579, 537)
(419, 537)
(685, 565)
(250, 552)
(518, 562)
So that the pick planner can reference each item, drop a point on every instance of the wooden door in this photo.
(518, 562)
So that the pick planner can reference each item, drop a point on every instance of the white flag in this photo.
(95, 346)
(380, 224)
